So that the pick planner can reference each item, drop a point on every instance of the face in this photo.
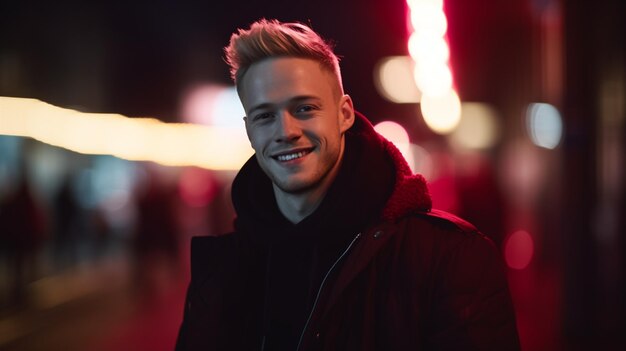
(296, 118)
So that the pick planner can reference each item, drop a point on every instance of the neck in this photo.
(296, 207)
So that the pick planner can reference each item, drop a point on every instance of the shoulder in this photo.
(457, 254)
(448, 222)
(440, 223)
(464, 275)
(439, 234)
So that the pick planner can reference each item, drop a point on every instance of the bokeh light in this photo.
(394, 81)
(426, 48)
(393, 131)
(427, 17)
(441, 113)
(478, 127)
(519, 249)
(544, 125)
(422, 160)
(433, 79)
(396, 133)
(522, 172)
(211, 104)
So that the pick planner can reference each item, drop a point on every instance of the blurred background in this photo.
(120, 134)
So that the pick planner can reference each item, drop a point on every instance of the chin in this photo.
(294, 186)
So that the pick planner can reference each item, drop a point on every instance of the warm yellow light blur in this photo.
(414, 3)
(422, 161)
(441, 113)
(430, 53)
(478, 127)
(396, 133)
(393, 131)
(425, 49)
(136, 139)
(393, 77)
(427, 16)
(433, 79)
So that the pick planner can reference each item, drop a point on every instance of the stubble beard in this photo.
(309, 183)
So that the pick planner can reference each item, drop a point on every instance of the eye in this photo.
(262, 116)
(305, 108)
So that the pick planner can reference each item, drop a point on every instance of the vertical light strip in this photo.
(428, 47)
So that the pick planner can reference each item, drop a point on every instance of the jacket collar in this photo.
(410, 192)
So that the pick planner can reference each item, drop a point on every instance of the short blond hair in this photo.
(272, 38)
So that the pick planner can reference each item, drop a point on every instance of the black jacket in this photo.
(407, 278)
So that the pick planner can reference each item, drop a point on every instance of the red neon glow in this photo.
(197, 187)
(519, 249)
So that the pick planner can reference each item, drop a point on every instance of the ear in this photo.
(346, 113)
(245, 121)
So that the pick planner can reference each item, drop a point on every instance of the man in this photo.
(336, 246)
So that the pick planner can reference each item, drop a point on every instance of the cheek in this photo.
(256, 140)
(331, 134)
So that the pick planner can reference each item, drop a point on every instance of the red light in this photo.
(518, 249)
(197, 187)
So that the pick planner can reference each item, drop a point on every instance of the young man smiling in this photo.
(296, 119)
(336, 246)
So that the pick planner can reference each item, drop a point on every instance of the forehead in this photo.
(274, 80)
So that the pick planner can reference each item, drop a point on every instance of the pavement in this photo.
(114, 303)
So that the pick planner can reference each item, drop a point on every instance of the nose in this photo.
(288, 128)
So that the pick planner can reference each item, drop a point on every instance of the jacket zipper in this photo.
(319, 291)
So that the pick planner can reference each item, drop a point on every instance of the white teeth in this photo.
(289, 157)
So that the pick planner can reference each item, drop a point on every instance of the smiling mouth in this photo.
(292, 156)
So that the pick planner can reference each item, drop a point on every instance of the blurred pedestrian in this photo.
(22, 234)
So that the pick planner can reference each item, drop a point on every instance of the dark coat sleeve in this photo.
(223, 301)
(205, 258)
(472, 307)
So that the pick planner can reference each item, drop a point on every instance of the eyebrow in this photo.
(295, 99)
